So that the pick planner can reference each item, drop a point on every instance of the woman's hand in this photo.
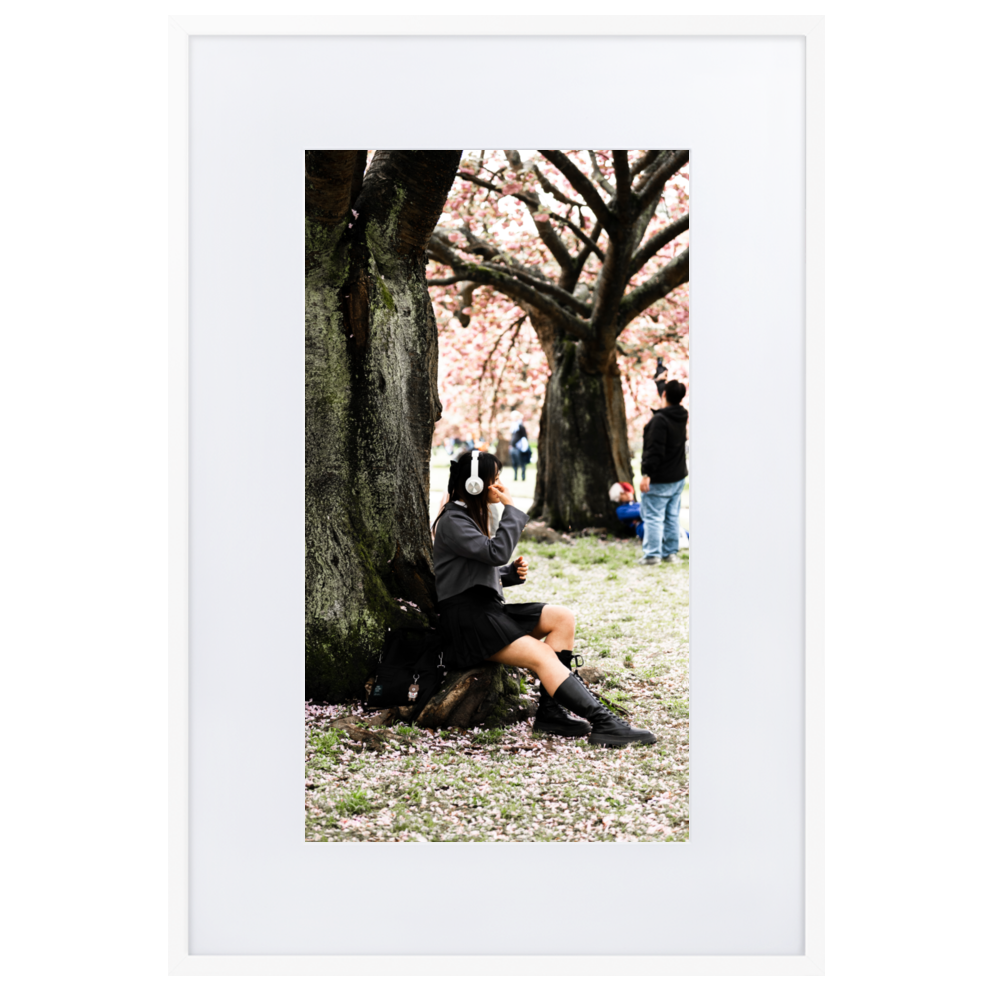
(498, 493)
(521, 565)
(644, 484)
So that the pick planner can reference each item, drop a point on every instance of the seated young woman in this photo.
(475, 535)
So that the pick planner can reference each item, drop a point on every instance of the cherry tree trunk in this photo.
(371, 404)
(583, 440)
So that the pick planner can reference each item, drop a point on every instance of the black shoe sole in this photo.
(618, 741)
(553, 731)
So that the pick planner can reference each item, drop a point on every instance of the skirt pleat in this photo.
(477, 625)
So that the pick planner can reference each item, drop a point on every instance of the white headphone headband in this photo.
(474, 485)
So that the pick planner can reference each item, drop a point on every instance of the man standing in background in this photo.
(664, 470)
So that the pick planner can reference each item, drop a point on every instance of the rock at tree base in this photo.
(591, 675)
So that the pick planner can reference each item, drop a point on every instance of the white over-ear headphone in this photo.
(474, 485)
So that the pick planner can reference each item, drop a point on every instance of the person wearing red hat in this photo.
(626, 507)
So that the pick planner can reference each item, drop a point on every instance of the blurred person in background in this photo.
(628, 509)
(520, 450)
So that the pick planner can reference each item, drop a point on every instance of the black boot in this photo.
(608, 729)
(552, 718)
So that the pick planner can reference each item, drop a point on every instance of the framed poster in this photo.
(744, 893)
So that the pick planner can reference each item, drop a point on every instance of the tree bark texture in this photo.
(371, 403)
(583, 441)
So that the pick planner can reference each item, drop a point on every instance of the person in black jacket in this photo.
(474, 538)
(664, 470)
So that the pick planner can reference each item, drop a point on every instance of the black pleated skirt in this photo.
(477, 623)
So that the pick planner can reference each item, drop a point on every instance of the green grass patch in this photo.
(489, 738)
(327, 741)
(354, 803)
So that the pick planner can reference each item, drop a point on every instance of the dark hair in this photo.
(675, 391)
(478, 505)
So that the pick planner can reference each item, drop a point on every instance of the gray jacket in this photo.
(464, 557)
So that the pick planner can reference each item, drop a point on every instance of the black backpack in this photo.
(410, 671)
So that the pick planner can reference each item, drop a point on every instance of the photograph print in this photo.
(496, 495)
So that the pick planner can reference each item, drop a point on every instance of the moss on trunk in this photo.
(370, 411)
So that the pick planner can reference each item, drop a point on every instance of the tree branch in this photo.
(546, 233)
(477, 244)
(644, 161)
(556, 247)
(598, 175)
(673, 274)
(422, 177)
(503, 333)
(623, 180)
(465, 175)
(656, 243)
(509, 265)
(587, 241)
(583, 187)
(518, 323)
(330, 177)
(358, 181)
(549, 188)
(562, 296)
(514, 159)
(664, 167)
(543, 296)
(465, 290)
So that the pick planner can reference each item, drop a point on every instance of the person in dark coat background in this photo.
(520, 450)
(664, 471)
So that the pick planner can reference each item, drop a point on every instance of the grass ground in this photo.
(506, 784)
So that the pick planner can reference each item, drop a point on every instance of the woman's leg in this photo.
(538, 657)
(557, 627)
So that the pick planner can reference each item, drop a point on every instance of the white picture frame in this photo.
(257, 889)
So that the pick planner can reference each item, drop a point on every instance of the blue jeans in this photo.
(661, 508)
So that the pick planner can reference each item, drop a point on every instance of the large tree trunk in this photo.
(583, 442)
(371, 404)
